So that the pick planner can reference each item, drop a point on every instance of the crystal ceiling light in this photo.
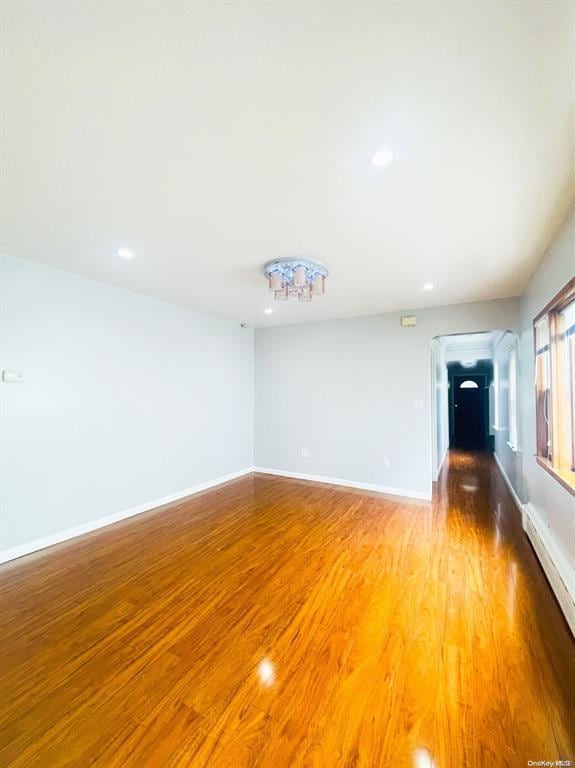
(295, 277)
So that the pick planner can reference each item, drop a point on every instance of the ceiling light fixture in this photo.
(428, 286)
(295, 277)
(268, 311)
(382, 157)
(125, 253)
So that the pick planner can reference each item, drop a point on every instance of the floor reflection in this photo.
(422, 758)
(266, 673)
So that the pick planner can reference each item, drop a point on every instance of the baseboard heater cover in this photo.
(556, 568)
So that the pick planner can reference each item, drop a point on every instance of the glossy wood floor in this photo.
(274, 622)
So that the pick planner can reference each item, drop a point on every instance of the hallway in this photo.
(281, 623)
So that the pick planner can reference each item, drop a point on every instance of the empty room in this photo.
(287, 354)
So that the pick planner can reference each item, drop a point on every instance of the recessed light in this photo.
(125, 253)
(268, 311)
(382, 157)
(428, 286)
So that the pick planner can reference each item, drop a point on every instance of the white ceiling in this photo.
(466, 347)
(212, 137)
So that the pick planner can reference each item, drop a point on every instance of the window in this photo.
(566, 364)
(513, 441)
(554, 329)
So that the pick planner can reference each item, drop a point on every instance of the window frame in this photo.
(553, 465)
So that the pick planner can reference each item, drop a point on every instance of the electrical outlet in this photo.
(304, 453)
(418, 405)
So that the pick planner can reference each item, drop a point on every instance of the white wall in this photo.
(440, 396)
(126, 400)
(346, 389)
(554, 505)
(509, 459)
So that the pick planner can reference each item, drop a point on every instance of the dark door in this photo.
(469, 402)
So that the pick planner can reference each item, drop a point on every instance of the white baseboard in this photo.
(558, 571)
(508, 483)
(345, 483)
(102, 522)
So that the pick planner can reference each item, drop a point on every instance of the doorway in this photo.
(469, 417)
(463, 393)
(469, 411)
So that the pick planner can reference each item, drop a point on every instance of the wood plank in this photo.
(400, 632)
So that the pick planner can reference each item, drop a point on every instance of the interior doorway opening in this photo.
(463, 377)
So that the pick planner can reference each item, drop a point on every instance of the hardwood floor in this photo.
(275, 622)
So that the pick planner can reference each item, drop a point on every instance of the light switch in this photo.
(13, 377)
(305, 453)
